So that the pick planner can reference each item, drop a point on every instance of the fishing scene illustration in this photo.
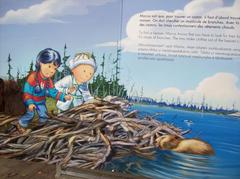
(120, 89)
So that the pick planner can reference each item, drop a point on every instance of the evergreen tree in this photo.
(20, 80)
(18, 75)
(102, 87)
(103, 64)
(30, 67)
(10, 77)
(66, 71)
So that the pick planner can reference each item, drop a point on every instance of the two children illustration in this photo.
(70, 91)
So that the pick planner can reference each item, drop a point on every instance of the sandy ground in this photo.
(16, 169)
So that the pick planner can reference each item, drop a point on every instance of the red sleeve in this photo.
(31, 79)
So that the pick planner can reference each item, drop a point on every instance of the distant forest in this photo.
(101, 86)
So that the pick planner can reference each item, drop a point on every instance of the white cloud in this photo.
(231, 11)
(219, 90)
(200, 7)
(49, 11)
(170, 93)
(194, 8)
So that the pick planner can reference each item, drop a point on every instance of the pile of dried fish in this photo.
(86, 136)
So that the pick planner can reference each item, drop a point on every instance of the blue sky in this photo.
(93, 22)
(80, 32)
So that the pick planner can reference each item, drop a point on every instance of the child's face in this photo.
(83, 73)
(48, 69)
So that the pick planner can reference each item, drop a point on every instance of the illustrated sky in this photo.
(26, 27)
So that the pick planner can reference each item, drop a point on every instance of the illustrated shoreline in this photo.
(236, 114)
(226, 113)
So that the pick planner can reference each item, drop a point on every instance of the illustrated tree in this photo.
(18, 76)
(66, 71)
(103, 64)
(21, 80)
(10, 77)
(102, 87)
(30, 67)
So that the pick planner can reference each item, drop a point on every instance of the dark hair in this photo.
(48, 55)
